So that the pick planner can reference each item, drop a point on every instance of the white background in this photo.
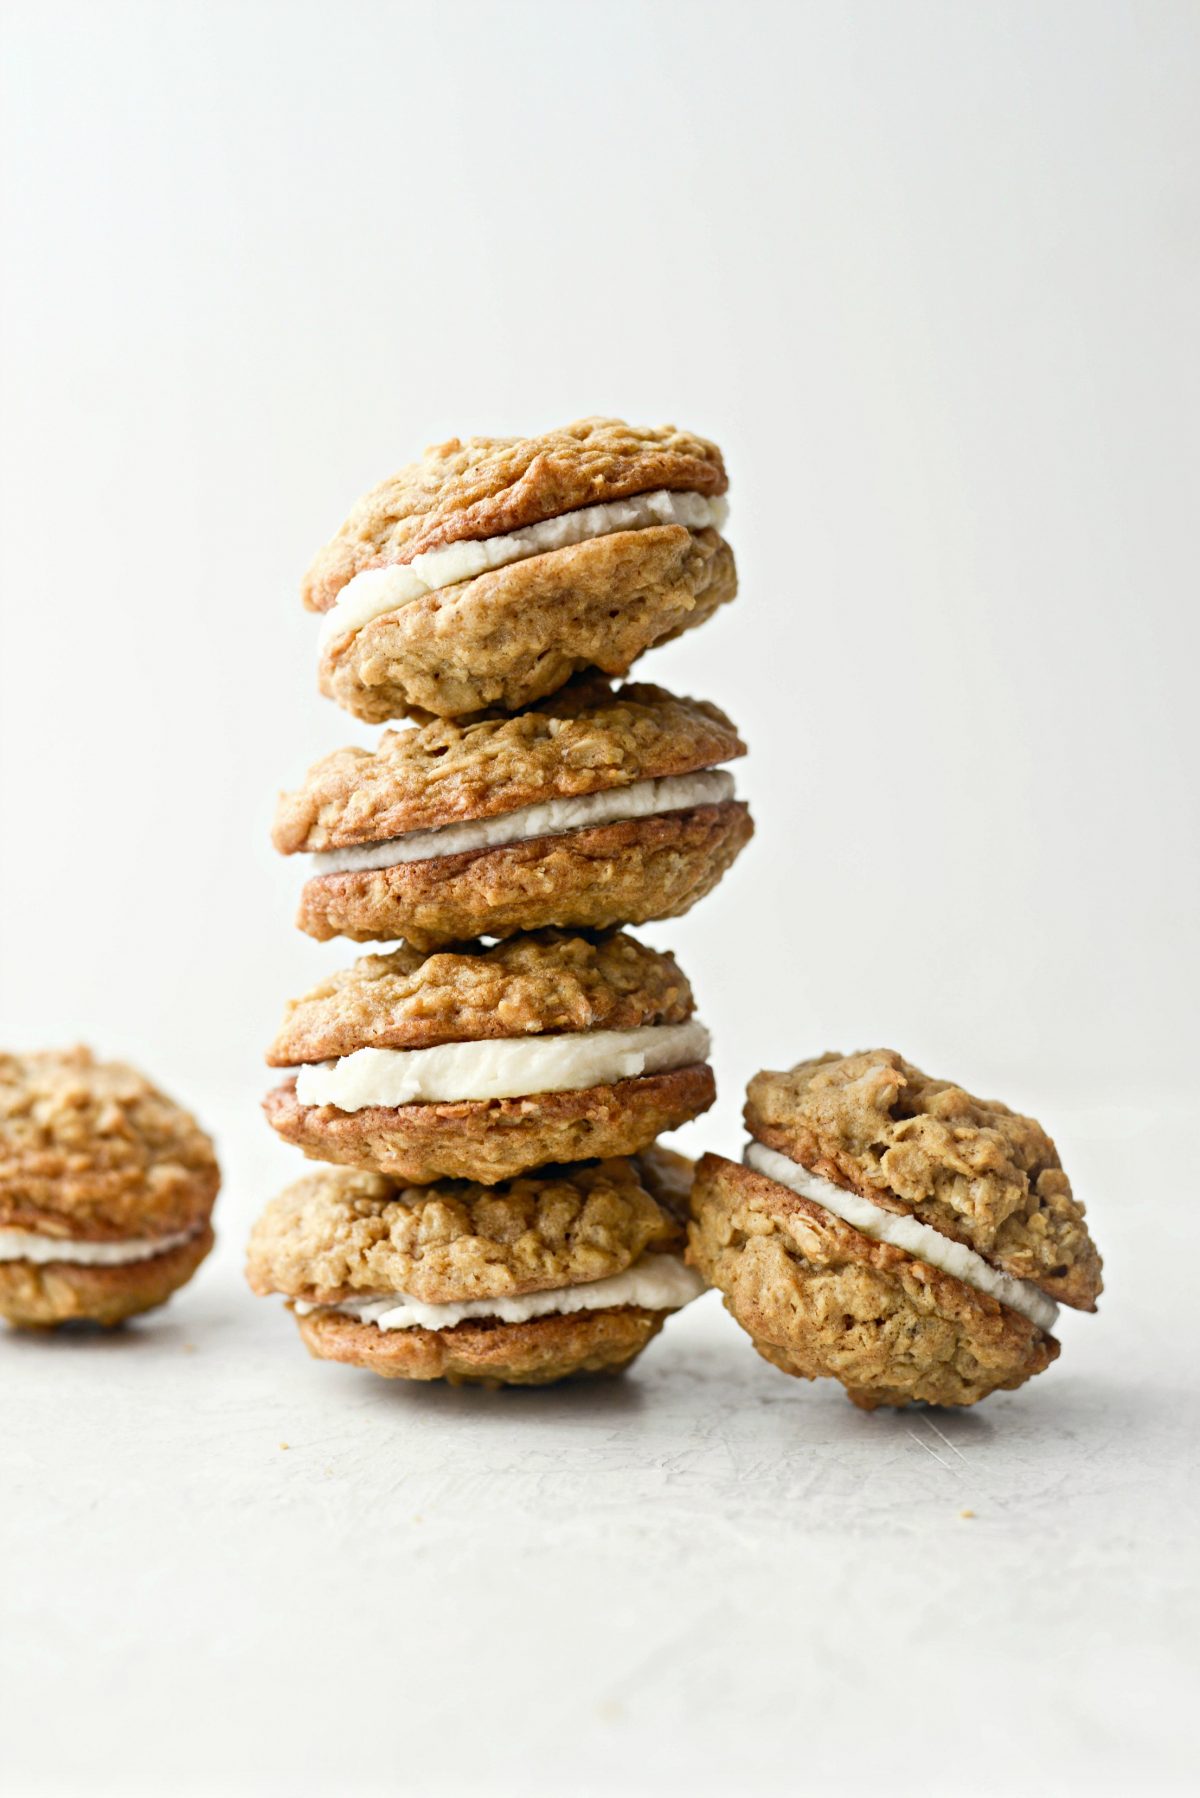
(929, 274)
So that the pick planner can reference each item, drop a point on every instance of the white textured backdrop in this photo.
(930, 276)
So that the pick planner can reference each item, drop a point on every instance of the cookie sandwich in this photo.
(106, 1190)
(490, 571)
(892, 1232)
(595, 807)
(484, 1061)
(560, 1274)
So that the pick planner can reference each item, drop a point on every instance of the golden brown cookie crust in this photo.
(531, 985)
(584, 739)
(818, 1298)
(514, 635)
(576, 1345)
(338, 1233)
(92, 1150)
(971, 1168)
(38, 1296)
(490, 1141)
(629, 873)
(489, 486)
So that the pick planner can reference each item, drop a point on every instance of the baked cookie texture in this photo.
(491, 1140)
(971, 1168)
(818, 1298)
(586, 738)
(513, 635)
(546, 1350)
(336, 1234)
(540, 982)
(546, 983)
(591, 879)
(92, 1152)
(489, 486)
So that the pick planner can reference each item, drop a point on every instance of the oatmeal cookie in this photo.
(591, 809)
(491, 1140)
(528, 985)
(38, 1295)
(490, 486)
(589, 879)
(549, 1278)
(489, 573)
(971, 1168)
(817, 1299)
(892, 1232)
(106, 1188)
(482, 1062)
(587, 738)
(580, 1345)
(337, 1234)
(513, 635)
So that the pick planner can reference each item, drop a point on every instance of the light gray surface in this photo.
(706, 1577)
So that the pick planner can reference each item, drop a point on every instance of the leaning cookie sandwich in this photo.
(893, 1232)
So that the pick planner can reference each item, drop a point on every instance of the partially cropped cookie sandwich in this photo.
(893, 1232)
(593, 808)
(557, 1275)
(106, 1188)
(490, 571)
(481, 1062)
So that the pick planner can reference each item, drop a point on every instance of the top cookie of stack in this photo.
(486, 574)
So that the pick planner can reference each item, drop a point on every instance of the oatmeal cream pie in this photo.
(488, 572)
(592, 808)
(480, 1062)
(106, 1187)
(557, 1275)
(893, 1232)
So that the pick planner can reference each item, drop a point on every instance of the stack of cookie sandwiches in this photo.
(486, 1090)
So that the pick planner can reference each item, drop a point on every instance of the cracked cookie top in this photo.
(337, 1233)
(92, 1150)
(532, 984)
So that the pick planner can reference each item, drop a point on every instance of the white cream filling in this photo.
(379, 590)
(656, 1283)
(507, 1068)
(907, 1233)
(550, 817)
(27, 1245)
